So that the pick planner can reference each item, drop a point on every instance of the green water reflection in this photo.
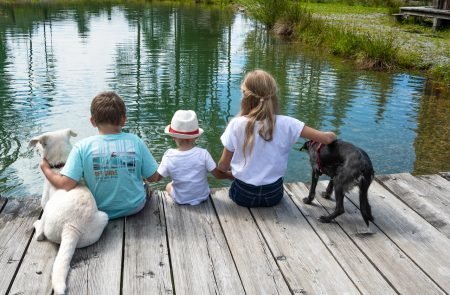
(160, 58)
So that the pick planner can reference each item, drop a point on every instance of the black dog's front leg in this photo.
(312, 190)
(327, 194)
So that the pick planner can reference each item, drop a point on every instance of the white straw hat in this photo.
(184, 124)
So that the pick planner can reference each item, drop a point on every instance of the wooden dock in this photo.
(438, 12)
(218, 247)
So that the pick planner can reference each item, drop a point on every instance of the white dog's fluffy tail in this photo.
(61, 266)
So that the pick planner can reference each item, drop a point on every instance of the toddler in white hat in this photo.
(188, 165)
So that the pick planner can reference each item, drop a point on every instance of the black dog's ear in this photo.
(305, 146)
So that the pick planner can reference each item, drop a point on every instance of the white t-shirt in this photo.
(268, 159)
(188, 170)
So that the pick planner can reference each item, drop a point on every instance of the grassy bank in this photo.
(368, 35)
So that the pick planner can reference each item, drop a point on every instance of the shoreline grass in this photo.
(364, 34)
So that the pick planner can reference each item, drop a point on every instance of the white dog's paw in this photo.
(59, 288)
(39, 230)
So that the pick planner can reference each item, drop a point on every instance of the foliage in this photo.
(371, 51)
(341, 8)
(367, 3)
(269, 12)
(441, 73)
(378, 52)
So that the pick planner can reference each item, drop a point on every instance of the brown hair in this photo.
(108, 108)
(259, 104)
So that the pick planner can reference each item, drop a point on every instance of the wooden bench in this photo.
(424, 11)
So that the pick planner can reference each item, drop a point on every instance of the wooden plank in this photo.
(16, 230)
(401, 271)
(200, 257)
(440, 189)
(146, 255)
(423, 243)
(257, 268)
(97, 269)
(34, 275)
(366, 277)
(306, 264)
(426, 12)
(446, 175)
(423, 197)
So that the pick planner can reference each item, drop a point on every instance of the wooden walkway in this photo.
(218, 247)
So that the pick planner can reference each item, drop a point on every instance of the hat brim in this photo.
(182, 136)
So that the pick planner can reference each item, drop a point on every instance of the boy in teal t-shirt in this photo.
(113, 164)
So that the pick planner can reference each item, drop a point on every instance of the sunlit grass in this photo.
(341, 8)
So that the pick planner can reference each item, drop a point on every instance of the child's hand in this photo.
(221, 174)
(229, 175)
(44, 164)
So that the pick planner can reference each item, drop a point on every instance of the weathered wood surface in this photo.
(429, 197)
(16, 229)
(355, 263)
(417, 238)
(146, 257)
(402, 273)
(200, 257)
(258, 269)
(441, 185)
(305, 261)
(97, 269)
(218, 247)
(425, 11)
(34, 275)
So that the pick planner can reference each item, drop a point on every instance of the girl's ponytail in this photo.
(259, 104)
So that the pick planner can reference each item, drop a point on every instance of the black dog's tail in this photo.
(364, 205)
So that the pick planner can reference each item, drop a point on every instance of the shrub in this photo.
(267, 12)
(378, 52)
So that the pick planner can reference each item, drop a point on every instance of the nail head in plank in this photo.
(422, 196)
(256, 266)
(392, 262)
(423, 243)
(350, 257)
(146, 257)
(96, 269)
(16, 230)
(34, 275)
(200, 257)
(305, 262)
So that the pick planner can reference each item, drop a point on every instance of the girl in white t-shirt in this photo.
(257, 143)
(187, 165)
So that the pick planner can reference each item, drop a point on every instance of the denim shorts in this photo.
(248, 195)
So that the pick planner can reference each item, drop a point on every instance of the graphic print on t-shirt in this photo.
(111, 156)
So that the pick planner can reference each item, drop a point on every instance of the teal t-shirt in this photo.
(112, 167)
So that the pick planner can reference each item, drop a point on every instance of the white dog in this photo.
(70, 218)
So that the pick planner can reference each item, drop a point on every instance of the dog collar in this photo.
(57, 166)
(319, 147)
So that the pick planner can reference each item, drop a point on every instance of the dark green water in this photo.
(55, 59)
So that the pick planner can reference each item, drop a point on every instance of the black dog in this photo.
(347, 165)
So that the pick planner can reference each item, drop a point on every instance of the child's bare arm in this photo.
(222, 175)
(155, 177)
(317, 135)
(225, 160)
(57, 180)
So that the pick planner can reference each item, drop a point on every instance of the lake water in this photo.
(55, 59)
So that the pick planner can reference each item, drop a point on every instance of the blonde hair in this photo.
(259, 104)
